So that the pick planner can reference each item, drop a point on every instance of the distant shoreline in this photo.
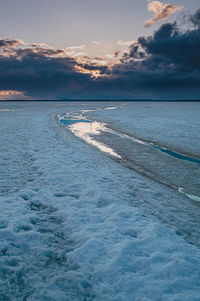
(101, 100)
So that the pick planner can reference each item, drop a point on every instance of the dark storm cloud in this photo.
(40, 73)
(45, 72)
(167, 59)
(171, 46)
(163, 65)
(196, 18)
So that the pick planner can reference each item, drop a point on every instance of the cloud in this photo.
(161, 11)
(109, 56)
(125, 43)
(44, 72)
(39, 51)
(75, 51)
(10, 93)
(38, 71)
(76, 47)
(172, 46)
(196, 18)
(165, 64)
(5, 42)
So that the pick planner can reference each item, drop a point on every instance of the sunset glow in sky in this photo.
(90, 49)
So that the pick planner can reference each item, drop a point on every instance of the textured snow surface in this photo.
(71, 227)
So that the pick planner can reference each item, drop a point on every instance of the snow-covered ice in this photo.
(77, 224)
(172, 124)
(147, 129)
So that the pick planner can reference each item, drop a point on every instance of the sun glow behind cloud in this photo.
(92, 73)
(10, 92)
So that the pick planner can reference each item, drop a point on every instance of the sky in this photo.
(91, 49)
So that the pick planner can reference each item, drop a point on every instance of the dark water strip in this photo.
(157, 147)
(69, 122)
(175, 154)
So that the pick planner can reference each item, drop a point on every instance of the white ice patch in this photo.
(8, 110)
(192, 197)
(122, 135)
(84, 130)
(111, 108)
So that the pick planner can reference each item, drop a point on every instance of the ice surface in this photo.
(170, 124)
(72, 224)
(169, 128)
(178, 171)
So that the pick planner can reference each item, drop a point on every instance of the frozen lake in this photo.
(99, 201)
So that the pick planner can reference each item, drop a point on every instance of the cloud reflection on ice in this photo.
(84, 129)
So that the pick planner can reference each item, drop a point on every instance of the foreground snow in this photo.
(70, 226)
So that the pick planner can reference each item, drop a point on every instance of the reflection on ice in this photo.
(122, 135)
(111, 108)
(84, 129)
(192, 197)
